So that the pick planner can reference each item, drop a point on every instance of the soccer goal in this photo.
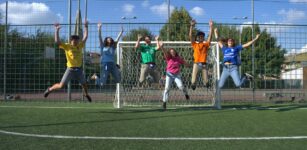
(129, 93)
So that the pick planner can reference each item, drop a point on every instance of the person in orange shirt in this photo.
(200, 47)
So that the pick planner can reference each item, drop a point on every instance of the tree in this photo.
(133, 34)
(178, 27)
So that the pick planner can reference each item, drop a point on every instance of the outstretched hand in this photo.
(257, 36)
(99, 25)
(139, 36)
(211, 23)
(57, 26)
(193, 22)
(86, 23)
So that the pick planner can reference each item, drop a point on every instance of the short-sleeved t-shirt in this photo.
(231, 54)
(173, 64)
(107, 54)
(148, 53)
(200, 51)
(73, 54)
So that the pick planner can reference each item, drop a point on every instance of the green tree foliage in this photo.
(269, 56)
(178, 27)
(26, 63)
(133, 34)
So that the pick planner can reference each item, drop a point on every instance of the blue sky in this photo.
(223, 11)
(155, 11)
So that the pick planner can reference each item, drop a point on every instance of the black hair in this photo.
(199, 33)
(233, 40)
(74, 37)
(105, 42)
(147, 36)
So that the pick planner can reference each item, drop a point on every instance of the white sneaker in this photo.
(94, 77)
(249, 76)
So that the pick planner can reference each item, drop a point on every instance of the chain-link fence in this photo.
(31, 62)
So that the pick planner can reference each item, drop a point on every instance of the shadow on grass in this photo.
(165, 114)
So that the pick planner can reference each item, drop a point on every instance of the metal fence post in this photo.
(5, 50)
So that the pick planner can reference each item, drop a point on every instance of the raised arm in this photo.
(192, 24)
(119, 34)
(165, 53)
(99, 34)
(137, 44)
(251, 42)
(219, 42)
(157, 38)
(85, 33)
(57, 28)
(210, 31)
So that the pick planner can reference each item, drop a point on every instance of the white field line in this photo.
(76, 107)
(155, 138)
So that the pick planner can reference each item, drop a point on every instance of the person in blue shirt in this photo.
(107, 59)
(231, 61)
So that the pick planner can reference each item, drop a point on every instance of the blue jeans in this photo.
(105, 70)
(170, 78)
(231, 70)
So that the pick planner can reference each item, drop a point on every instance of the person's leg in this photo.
(234, 73)
(144, 68)
(194, 76)
(224, 76)
(78, 75)
(156, 75)
(66, 77)
(105, 73)
(168, 83)
(180, 85)
(205, 76)
(115, 73)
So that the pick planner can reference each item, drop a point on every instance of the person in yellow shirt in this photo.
(200, 47)
(73, 52)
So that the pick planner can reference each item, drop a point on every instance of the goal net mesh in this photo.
(129, 93)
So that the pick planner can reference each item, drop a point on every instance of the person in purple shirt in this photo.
(173, 61)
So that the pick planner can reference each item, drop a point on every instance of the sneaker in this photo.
(193, 86)
(89, 99)
(47, 92)
(249, 76)
(94, 77)
(187, 97)
(164, 105)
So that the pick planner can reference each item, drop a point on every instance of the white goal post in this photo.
(129, 94)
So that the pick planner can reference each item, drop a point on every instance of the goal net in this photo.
(129, 93)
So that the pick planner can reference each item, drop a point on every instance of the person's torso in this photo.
(173, 64)
(200, 51)
(148, 53)
(107, 54)
(231, 54)
(73, 54)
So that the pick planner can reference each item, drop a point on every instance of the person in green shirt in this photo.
(148, 62)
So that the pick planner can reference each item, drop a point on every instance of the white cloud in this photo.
(128, 9)
(291, 15)
(162, 9)
(145, 3)
(30, 13)
(297, 51)
(197, 11)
